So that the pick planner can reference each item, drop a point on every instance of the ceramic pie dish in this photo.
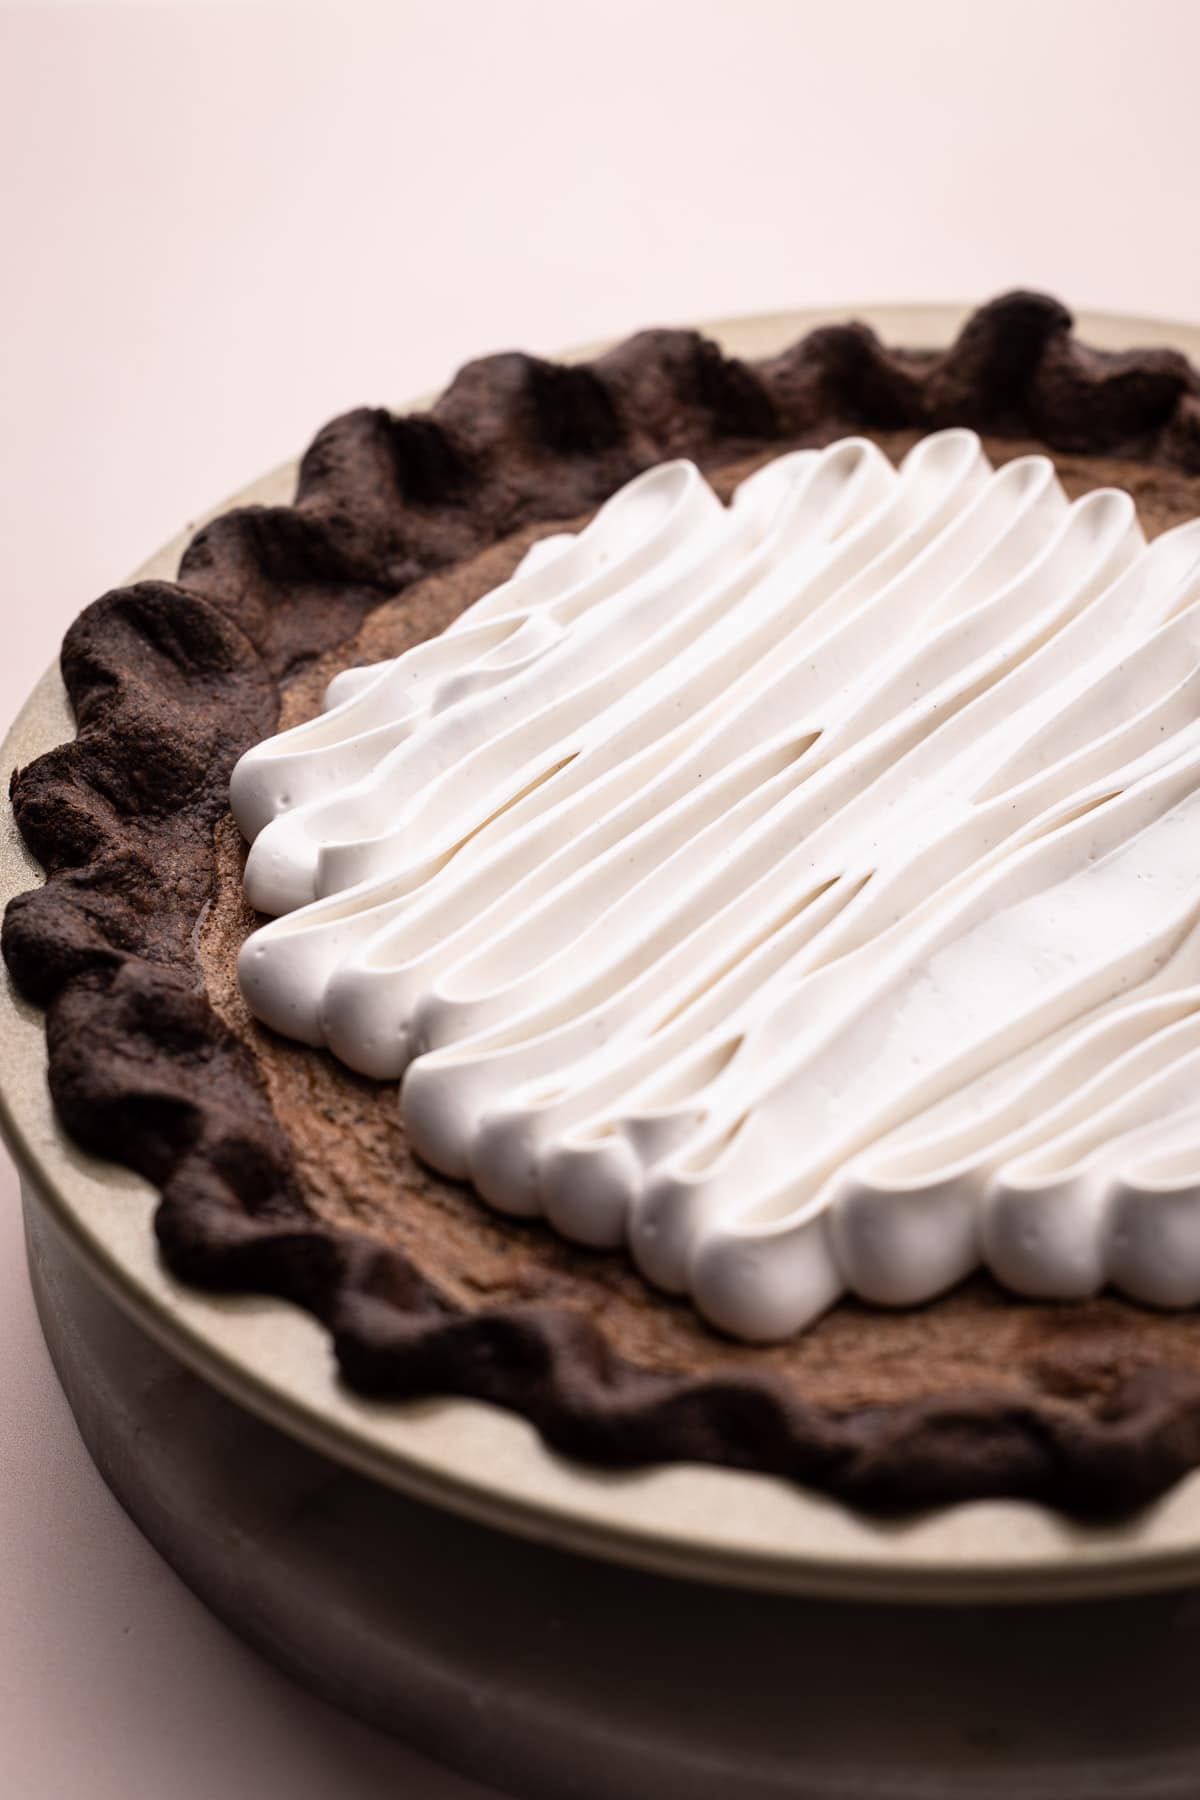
(718, 1523)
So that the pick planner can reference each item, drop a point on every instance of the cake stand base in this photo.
(553, 1677)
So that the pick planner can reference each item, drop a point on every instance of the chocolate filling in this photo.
(283, 1173)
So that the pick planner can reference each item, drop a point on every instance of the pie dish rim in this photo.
(680, 1518)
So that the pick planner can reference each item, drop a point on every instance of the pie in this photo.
(284, 1172)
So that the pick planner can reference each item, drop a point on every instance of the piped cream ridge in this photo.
(802, 892)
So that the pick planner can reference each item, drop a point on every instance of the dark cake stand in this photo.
(556, 1677)
(536, 1671)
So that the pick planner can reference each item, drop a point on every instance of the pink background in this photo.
(220, 225)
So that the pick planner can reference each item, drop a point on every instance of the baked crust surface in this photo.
(282, 1172)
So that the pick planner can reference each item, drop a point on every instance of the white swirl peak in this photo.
(804, 892)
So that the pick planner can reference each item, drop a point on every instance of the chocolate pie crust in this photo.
(283, 1173)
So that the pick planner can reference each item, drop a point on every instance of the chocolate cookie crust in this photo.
(396, 524)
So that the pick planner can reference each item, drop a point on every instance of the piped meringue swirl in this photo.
(803, 892)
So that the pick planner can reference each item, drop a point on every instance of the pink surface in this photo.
(221, 225)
